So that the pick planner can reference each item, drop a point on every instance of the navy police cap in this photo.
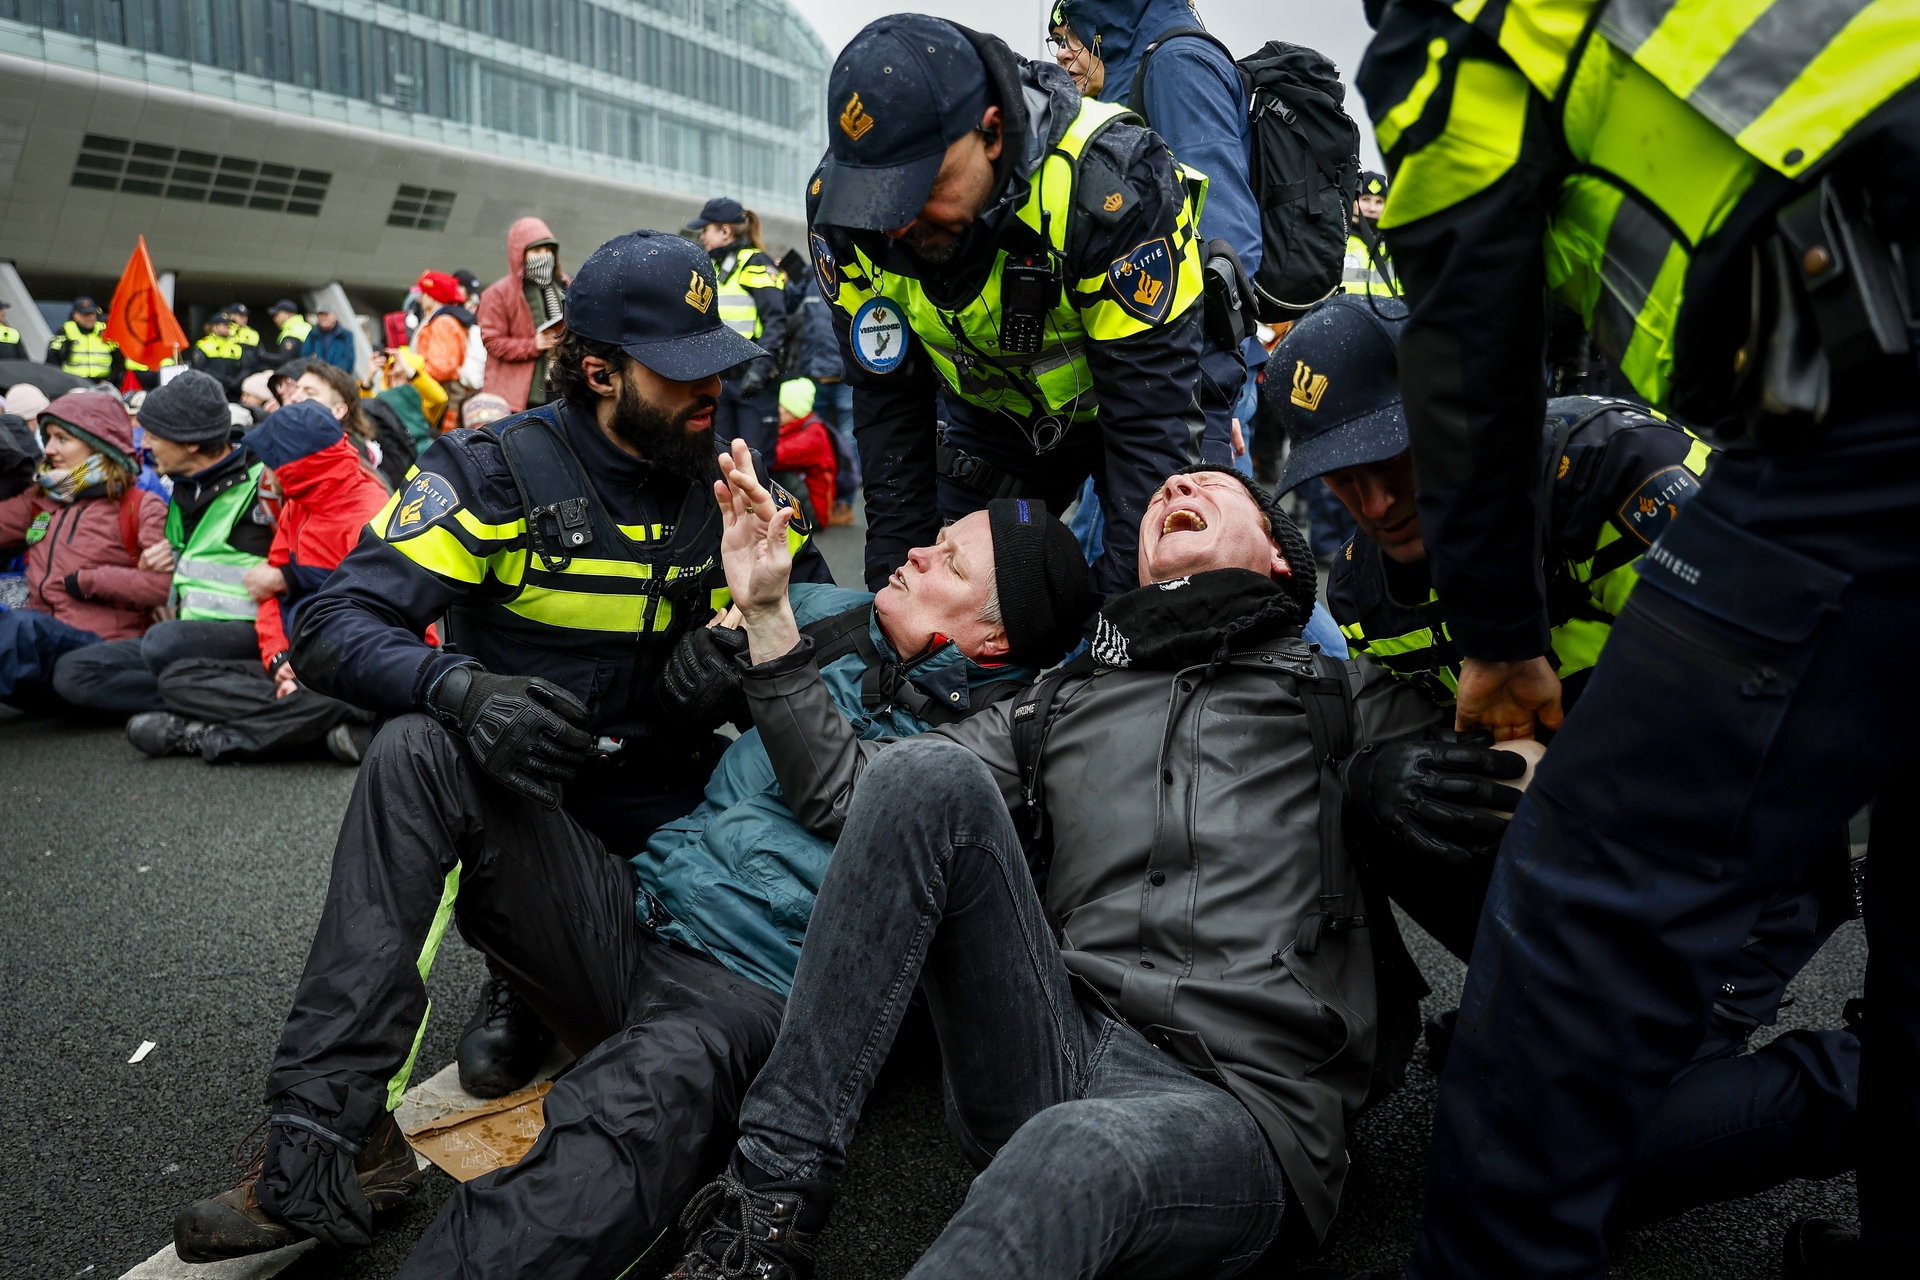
(902, 91)
(653, 294)
(1334, 384)
(719, 209)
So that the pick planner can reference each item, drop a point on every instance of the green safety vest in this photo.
(737, 311)
(89, 355)
(207, 569)
(1362, 275)
(965, 344)
(296, 328)
(1669, 111)
(219, 348)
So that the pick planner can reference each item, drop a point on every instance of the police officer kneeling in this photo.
(982, 231)
(569, 548)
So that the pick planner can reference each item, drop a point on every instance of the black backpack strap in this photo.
(836, 637)
(1028, 720)
(1326, 696)
(1136, 100)
(553, 489)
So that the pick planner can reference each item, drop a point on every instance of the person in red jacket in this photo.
(513, 311)
(235, 709)
(806, 448)
(85, 525)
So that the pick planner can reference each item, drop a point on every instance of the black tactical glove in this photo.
(759, 375)
(1421, 792)
(522, 729)
(701, 682)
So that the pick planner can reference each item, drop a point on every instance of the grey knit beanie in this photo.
(189, 409)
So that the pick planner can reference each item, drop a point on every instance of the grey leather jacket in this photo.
(1184, 811)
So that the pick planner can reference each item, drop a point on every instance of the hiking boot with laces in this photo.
(233, 1225)
(503, 1045)
(737, 1232)
(162, 733)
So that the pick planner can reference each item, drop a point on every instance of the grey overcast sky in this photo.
(1337, 28)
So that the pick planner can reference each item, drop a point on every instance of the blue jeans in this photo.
(1106, 1154)
(755, 420)
(31, 643)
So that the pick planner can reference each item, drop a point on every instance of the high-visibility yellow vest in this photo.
(1362, 272)
(1669, 111)
(8, 335)
(219, 348)
(207, 569)
(748, 268)
(296, 328)
(88, 355)
(1057, 380)
(246, 335)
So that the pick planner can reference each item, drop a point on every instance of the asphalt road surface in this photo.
(168, 901)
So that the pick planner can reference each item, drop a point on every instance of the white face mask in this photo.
(539, 266)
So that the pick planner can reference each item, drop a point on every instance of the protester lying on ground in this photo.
(550, 685)
(806, 450)
(1733, 1122)
(85, 524)
(522, 317)
(237, 709)
(1156, 1091)
(372, 427)
(217, 528)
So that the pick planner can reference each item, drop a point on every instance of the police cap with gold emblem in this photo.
(653, 294)
(1334, 385)
(902, 91)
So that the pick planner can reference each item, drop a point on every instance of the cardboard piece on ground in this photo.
(481, 1139)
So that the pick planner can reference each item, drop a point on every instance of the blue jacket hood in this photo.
(1124, 28)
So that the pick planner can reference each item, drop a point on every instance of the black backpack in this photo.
(1304, 170)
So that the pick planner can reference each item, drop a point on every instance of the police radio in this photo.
(1027, 287)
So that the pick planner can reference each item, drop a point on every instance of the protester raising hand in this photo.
(756, 556)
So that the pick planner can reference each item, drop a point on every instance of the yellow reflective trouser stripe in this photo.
(442, 916)
(1479, 145)
(1402, 117)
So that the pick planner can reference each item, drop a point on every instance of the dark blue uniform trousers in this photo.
(1736, 718)
(755, 419)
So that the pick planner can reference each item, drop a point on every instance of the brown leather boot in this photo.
(233, 1225)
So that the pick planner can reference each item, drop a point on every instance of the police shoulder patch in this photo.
(879, 335)
(1651, 507)
(427, 499)
(781, 498)
(824, 265)
(1142, 281)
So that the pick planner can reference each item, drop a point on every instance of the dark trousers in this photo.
(669, 1040)
(31, 643)
(1223, 371)
(755, 419)
(122, 677)
(239, 700)
(1101, 1155)
(1729, 727)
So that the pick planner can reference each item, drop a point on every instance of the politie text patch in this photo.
(425, 501)
(1650, 508)
(1143, 280)
(879, 335)
(824, 266)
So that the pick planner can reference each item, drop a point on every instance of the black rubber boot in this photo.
(1820, 1249)
(766, 1232)
(503, 1045)
(233, 1225)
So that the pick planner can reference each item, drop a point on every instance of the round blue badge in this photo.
(880, 335)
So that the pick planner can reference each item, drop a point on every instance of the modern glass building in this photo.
(309, 141)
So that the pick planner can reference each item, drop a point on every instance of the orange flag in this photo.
(140, 319)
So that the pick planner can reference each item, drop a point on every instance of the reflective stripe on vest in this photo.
(89, 355)
(737, 311)
(1059, 370)
(208, 569)
(296, 328)
(1359, 275)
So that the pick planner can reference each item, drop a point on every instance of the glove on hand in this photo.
(702, 681)
(1421, 792)
(759, 375)
(522, 729)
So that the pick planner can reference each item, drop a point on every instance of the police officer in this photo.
(293, 330)
(1369, 268)
(219, 355)
(993, 243)
(82, 347)
(753, 303)
(243, 333)
(10, 345)
(1724, 222)
(568, 547)
(1617, 475)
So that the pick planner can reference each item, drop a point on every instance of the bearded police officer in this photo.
(993, 243)
(1725, 194)
(568, 548)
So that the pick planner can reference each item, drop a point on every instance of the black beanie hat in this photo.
(1041, 579)
(190, 408)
